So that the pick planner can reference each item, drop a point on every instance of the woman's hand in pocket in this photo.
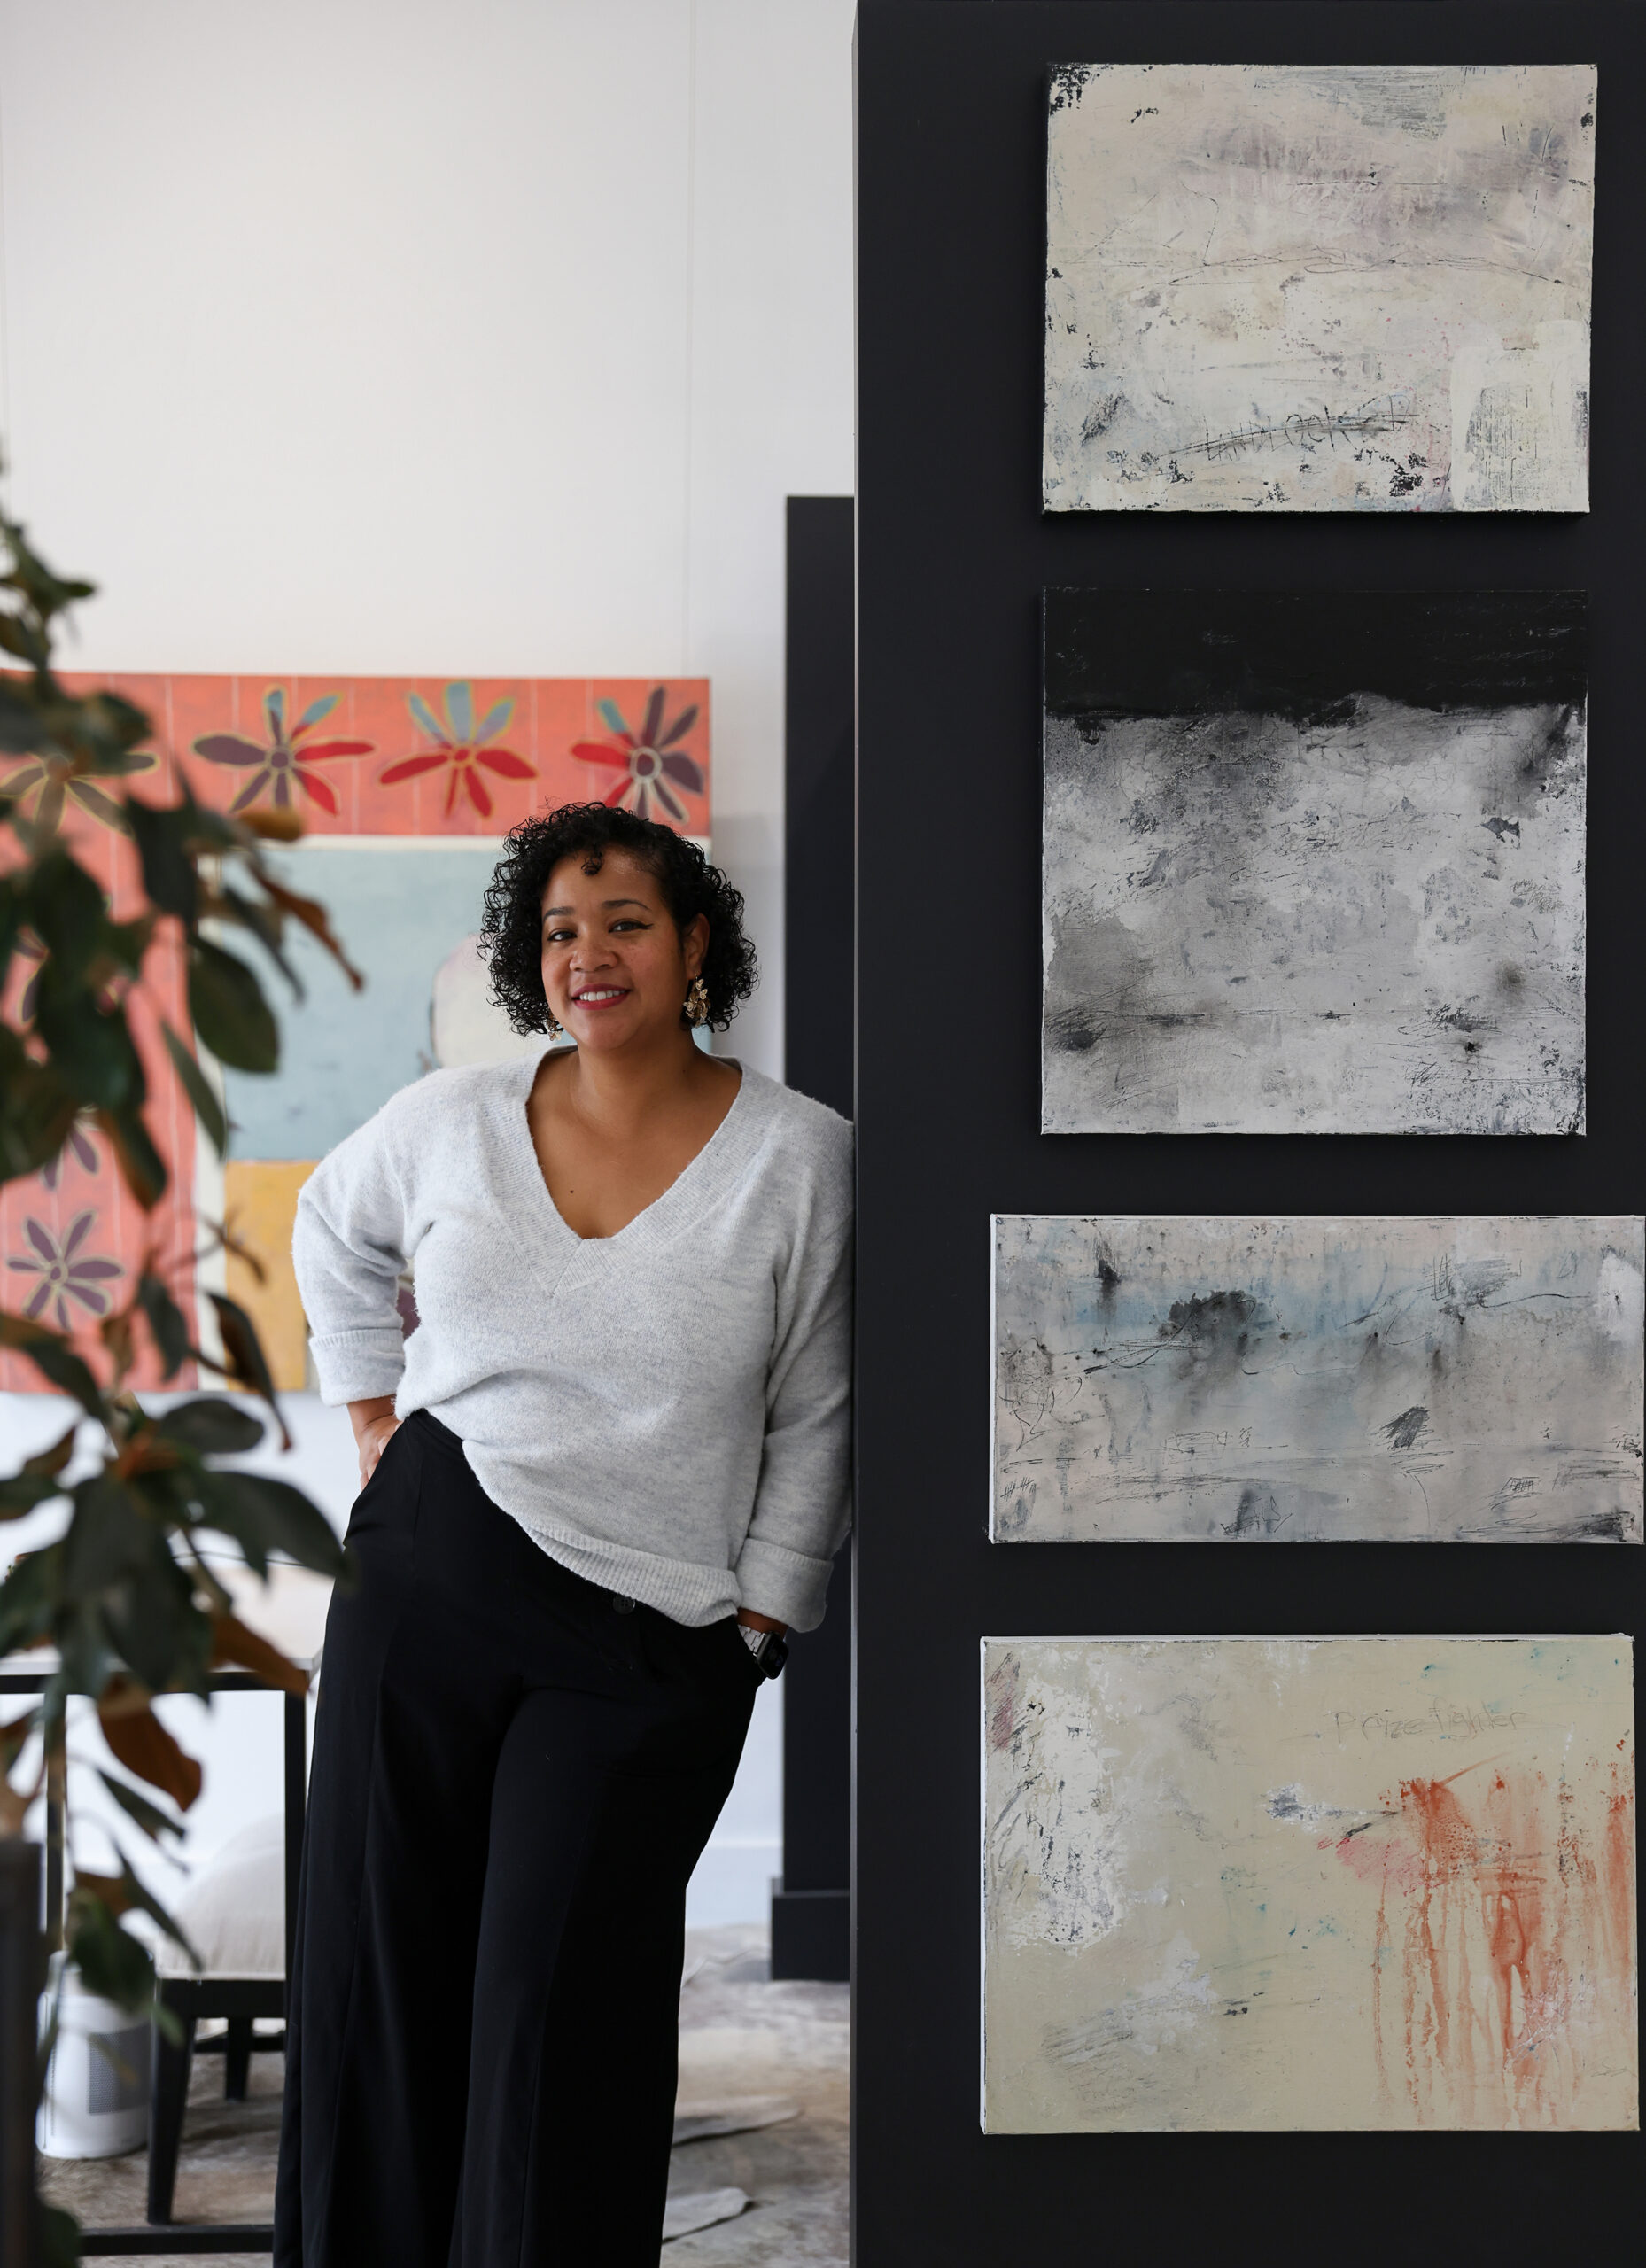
(374, 1423)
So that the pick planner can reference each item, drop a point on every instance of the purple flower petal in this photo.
(98, 1271)
(24, 1267)
(282, 789)
(43, 1241)
(685, 772)
(653, 718)
(671, 804)
(250, 793)
(94, 1301)
(230, 748)
(83, 1147)
(36, 1306)
(63, 1317)
(76, 1235)
(683, 723)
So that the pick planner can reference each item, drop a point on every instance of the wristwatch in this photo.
(770, 1652)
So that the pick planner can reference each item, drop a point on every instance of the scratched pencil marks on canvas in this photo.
(1313, 862)
(1317, 1379)
(1331, 1883)
(1293, 288)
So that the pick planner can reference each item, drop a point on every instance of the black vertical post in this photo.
(21, 1975)
(811, 1902)
(297, 1796)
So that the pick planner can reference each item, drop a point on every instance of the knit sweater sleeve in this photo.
(348, 1249)
(803, 1504)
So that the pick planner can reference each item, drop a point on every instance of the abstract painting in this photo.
(405, 787)
(1313, 863)
(1309, 1883)
(1307, 289)
(1304, 1380)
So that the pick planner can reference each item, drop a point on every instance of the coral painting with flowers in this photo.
(460, 756)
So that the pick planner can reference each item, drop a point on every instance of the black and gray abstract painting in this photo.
(1308, 1380)
(1313, 863)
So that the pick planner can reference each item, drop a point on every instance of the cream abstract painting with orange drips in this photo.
(1309, 1883)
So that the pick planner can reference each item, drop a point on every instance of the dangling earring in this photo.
(697, 1002)
(555, 1030)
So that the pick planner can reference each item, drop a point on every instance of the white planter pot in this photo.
(95, 2103)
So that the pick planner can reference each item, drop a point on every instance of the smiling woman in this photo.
(598, 1482)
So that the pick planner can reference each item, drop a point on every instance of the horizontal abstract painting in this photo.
(1295, 289)
(1309, 1883)
(1313, 863)
(1185, 1378)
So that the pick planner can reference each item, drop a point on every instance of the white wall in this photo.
(473, 336)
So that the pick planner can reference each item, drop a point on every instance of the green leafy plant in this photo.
(126, 1596)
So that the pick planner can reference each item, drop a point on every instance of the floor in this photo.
(749, 2049)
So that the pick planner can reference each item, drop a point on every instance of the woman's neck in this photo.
(625, 1089)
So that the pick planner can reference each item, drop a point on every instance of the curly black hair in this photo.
(512, 928)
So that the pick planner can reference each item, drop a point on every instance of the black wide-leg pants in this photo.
(513, 1778)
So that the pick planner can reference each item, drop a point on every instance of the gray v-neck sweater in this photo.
(665, 1411)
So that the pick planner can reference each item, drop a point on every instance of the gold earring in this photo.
(697, 1002)
(556, 1029)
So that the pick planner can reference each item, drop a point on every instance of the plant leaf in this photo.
(211, 1427)
(243, 1357)
(142, 1744)
(263, 1515)
(153, 1822)
(141, 1164)
(166, 1321)
(230, 1012)
(168, 872)
(113, 1963)
(233, 1642)
(52, 1356)
(198, 1087)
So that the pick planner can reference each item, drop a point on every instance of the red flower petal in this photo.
(315, 785)
(505, 761)
(479, 795)
(451, 791)
(409, 766)
(597, 752)
(618, 792)
(323, 749)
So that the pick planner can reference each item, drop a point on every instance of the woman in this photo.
(600, 1479)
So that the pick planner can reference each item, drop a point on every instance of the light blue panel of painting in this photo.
(399, 912)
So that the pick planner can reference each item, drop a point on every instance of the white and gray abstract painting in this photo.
(1313, 863)
(1245, 1379)
(1302, 289)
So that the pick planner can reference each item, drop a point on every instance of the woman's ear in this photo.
(695, 941)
